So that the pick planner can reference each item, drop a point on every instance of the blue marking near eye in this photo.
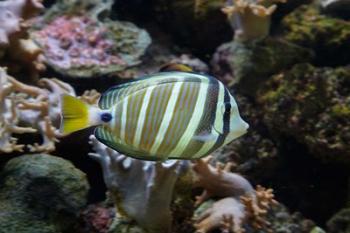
(106, 117)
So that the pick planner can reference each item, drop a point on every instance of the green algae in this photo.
(328, 37)
(310, 105)
(252, 63)
(42, 194)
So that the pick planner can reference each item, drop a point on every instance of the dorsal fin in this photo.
(114, 94)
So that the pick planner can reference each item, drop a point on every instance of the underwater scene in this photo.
(174, 116)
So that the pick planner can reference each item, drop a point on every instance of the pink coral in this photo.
(98, 218)
(77, 41)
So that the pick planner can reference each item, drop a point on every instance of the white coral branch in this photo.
(142, 189)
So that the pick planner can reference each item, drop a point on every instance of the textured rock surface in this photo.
(338, 8)
(248, 65)
(41, 193)
(340, 222)
(311, 105)
(195, 23)
(325, 35)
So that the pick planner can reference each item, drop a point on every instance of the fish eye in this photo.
(106, 117)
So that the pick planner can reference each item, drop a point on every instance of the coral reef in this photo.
(249, 64)
(41, 193)
(30, 109)
(142, 190)
(250, 19)
(311, 105)
(324, 35)
(296, 146)
(15, 46)
(82, 46)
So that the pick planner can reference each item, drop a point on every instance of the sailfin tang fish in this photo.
(169, 115)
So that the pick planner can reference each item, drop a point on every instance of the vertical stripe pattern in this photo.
(195, 120)
(166, 118)
(160, 118)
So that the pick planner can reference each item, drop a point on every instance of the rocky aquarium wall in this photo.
(286, 62)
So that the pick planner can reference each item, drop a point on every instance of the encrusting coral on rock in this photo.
(85, 46)
(307, 27)
(142, 190)
(15, 45)
(311, 105)
(240, 204)
(32, 109)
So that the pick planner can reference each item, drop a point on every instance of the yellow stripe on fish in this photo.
(177, 115)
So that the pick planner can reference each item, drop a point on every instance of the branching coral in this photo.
(29, 109)
(142, 190)
(250, 19)
(219, 181)
(14, 42)
(241, 204)
(12, 14)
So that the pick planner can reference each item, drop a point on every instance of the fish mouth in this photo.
(243, 129)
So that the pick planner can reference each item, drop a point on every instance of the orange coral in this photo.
(218, 181)
(250, 19)
(240, 203)
(227, 213)
(257, 207)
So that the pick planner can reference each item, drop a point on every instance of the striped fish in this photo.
(169, 115)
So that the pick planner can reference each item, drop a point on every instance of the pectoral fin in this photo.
(207, 136)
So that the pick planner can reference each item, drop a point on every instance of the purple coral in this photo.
(77, 42)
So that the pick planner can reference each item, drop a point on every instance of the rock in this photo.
(41, 193)
(340, 222)
(340, 8)
(284, 221)
(324, 35)
(248, 65)
(197, 24)
(311, 105)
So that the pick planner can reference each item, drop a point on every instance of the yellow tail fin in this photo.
(75, 114)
